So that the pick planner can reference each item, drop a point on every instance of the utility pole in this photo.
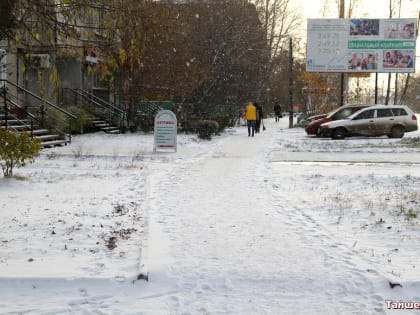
(290, 82)
(341, 16)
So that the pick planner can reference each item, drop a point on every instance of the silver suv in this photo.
(379, 120)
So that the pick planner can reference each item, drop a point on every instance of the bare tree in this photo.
(6, 18)
(47, 28)
(280, 22)
(408, 77)
(45, 22)
(202, 52)
(392, 6)
(340, 8)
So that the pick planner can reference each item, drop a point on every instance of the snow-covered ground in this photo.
(276, 224)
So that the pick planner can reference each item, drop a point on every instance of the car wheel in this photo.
(397, 132)
(339, 133)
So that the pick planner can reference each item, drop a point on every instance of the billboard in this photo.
(361, 45)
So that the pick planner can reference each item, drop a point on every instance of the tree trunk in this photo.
(388, 89)
(404, 91)
(396, 89)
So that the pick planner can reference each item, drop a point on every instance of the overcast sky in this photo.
(366, 8)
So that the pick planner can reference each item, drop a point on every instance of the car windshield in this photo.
(344, 113)
(332, 113)
(340, 113)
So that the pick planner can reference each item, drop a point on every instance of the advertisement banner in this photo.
(361, 45)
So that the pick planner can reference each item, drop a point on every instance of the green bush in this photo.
(206, 128)
(224, 122)
(81, 124)
(54, 120)
(16, 149)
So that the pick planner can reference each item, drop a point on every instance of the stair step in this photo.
(40, 131)
(19, 127)
(108, 127)
(113, 131)
(53, 143)
(16, 128)
(47, 137)
(105, 126)
(19, 119)
(15, 121)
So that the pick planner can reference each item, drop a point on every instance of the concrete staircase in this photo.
(47, 139)
(102, 125)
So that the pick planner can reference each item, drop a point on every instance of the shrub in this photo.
(16, 149)
(224, 122)
(81, 124)
(206, 128)
(54, 120)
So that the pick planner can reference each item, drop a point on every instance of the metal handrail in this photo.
(101, 101)
(40, 99)
(68, 115)
(6, 120)
(115, 114)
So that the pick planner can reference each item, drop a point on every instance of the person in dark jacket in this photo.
(259, 117)
(277, 111)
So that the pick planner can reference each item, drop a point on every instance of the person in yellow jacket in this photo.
(251, 117)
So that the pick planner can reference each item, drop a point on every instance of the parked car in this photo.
(316, 117)
(306, 121)
(342, 112)
(379, 120)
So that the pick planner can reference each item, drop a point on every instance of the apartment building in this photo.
(50, 50)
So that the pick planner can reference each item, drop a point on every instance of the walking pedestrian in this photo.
(260, 115)
(250, 117)
(277, 111)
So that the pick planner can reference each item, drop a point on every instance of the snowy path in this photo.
(280, 223)
(235, 245)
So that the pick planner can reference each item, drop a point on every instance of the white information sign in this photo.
(165, 130)
(361, 45)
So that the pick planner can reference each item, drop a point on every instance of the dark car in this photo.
(316, 117)
(340, 113)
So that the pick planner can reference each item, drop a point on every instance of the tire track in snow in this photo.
(337, 259)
